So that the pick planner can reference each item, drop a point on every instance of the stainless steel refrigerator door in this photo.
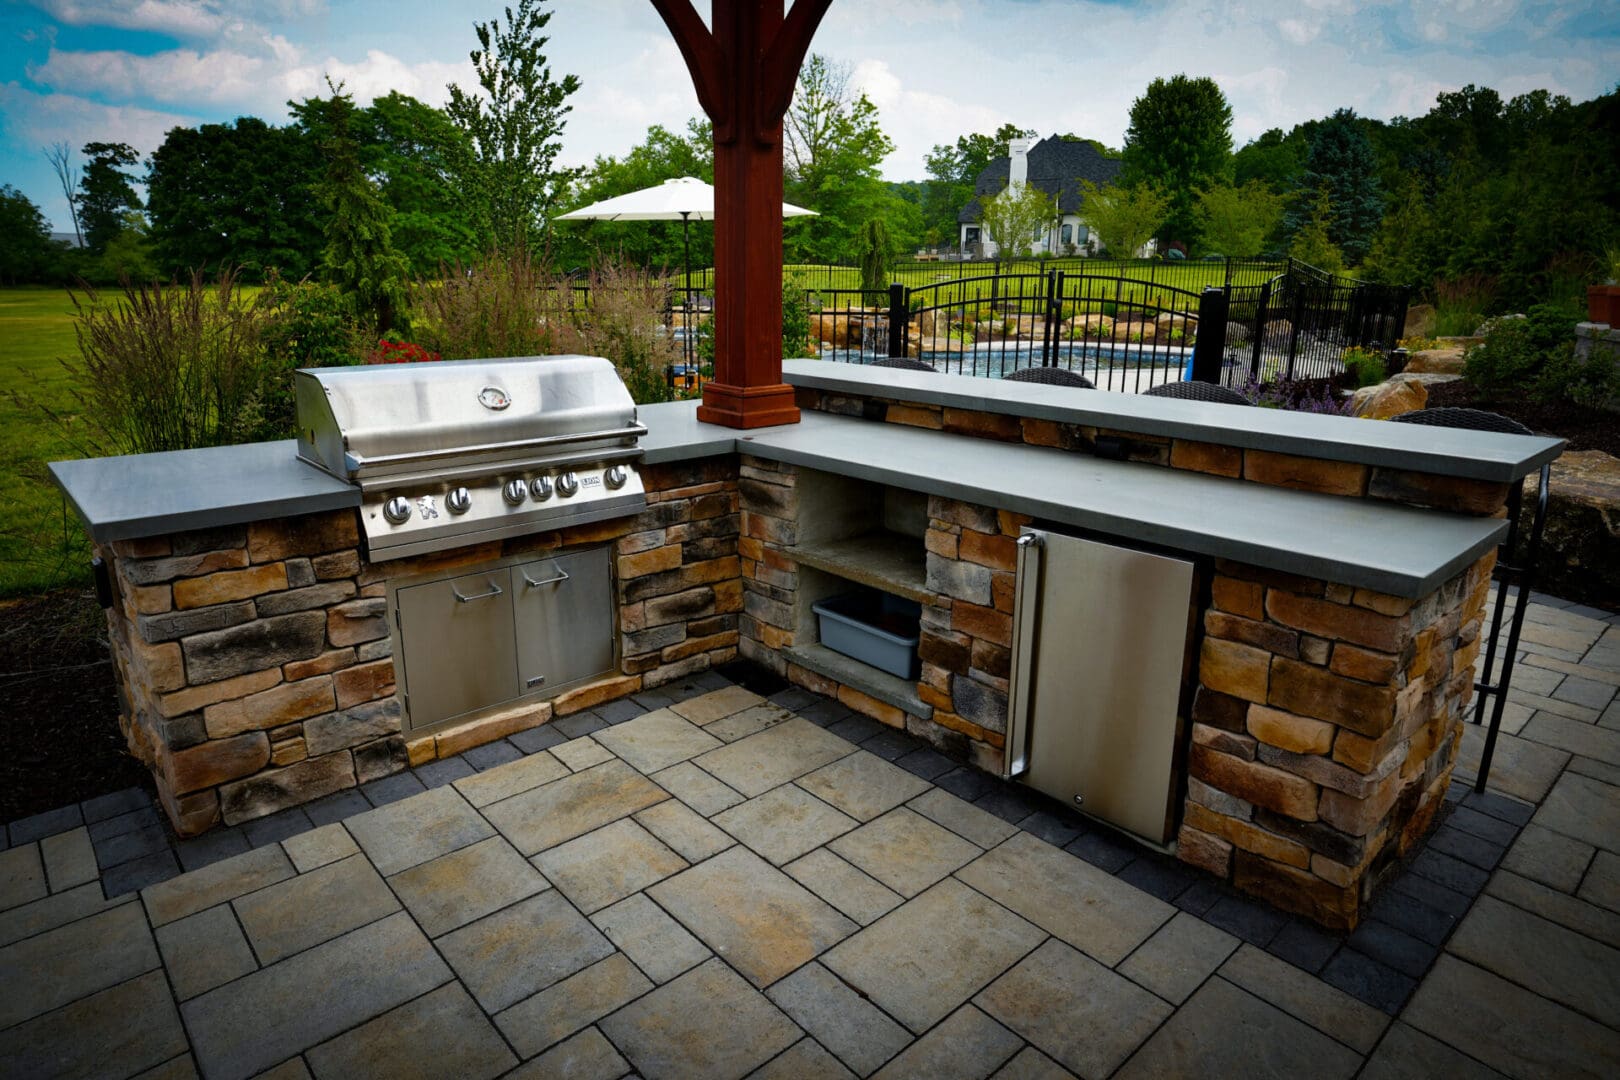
(565, 619)
(458, 648)
(1100, 637)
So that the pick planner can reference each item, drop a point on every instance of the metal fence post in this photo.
(899, 319)
(1259, 329)
(1298, 313)
(1211, 345)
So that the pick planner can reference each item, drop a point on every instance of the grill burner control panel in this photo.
(503, 504)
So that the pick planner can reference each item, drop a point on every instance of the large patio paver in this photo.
(1225, 1031)
(854, 1029)
(213, 884)
(244, 1027)
(1354, 1023)
(967, 1046)
(293, 915)
(684, 830)
(43, 972)
(605, 866)
(707, 1023)
(1542, 956)
(934, 952)
(784, 823)
(696, 788)
(1509, 1028)
(508, 956)
(804, 1060)
(440, 1034)
(1069, 898)
(204, 950)
(466, 884)
(403, 834)
(573, 806)
(774, 756)
(852, 891)
(905, 851)
(657, 740)
(1408, 1054)
(657, 944)
(586, 1056)
(581, 999)
(763, 922)
(133, 1023)
(863, 785)
(1083, 1015)
(1180, 955)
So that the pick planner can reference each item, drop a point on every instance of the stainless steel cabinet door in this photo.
(564, 607)
(459, 652)
(1100, 636)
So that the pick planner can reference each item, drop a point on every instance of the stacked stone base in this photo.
(256, 662)
(1324, 732)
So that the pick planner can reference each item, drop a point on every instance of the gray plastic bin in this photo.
(874, 628)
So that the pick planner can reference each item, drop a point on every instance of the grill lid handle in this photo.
(355, 462)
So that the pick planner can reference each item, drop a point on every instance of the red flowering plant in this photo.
(398, 352)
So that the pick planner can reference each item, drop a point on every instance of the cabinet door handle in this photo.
(562, 575)
(536, 681)
(494, 590)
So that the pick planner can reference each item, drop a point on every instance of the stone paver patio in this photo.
(704, 882)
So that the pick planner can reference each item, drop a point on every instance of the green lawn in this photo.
(41, 541)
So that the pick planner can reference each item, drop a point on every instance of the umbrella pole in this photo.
(686, 240)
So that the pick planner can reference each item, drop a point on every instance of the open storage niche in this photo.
(853, 534)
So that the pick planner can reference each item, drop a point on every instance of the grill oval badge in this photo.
(494, 398)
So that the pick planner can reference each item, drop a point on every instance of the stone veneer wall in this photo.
(256, 661)
(1324, 732)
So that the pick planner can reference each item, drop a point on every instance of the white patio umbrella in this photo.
(686, 200)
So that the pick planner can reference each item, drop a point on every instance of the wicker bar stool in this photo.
(1197, 391)
(1049, 376)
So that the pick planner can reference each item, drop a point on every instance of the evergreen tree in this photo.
(1312, 244)
(106, 192)
(25, 238)
(1342, 167)
(1179, 139)
(509, 171)
(359, 257)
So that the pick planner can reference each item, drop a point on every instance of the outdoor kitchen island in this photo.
(1341, 568)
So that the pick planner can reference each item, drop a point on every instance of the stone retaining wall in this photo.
(256, 661)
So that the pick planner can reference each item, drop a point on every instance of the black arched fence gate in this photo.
(1122, 332)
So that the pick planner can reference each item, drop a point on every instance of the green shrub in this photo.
(311, 325)
(501, 305)
(1522, 355)
(796, 317)
(1367, 367)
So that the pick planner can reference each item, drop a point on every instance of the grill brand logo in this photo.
(590, 481)
(494, 398)
(425, 508)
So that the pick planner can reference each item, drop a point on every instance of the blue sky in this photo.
(128, 70)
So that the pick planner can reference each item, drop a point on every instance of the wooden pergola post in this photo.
(744, 70)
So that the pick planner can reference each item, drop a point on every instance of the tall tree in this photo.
(60, 155)
(106, 192)
(359, 257)
(1237, 221)
(1180, 139)
(238, 194)
(1312, 243)
(510, 176)
(1341, 166)
(832, 147)
(25, 238)
(1015, 217)
(1124, 217)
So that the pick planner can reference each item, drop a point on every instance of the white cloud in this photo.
(40, 119)
(1298, 31)
(191, 19)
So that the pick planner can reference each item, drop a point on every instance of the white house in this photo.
(1055, 166)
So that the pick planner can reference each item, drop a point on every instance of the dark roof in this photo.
(1056, 166)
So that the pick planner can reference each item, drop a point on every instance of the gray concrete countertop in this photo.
(1475, 455)
(1394, 549)
(151, 494)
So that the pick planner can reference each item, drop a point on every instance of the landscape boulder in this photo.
(1580, 550)
(1391, 397)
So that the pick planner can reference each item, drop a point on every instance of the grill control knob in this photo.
(515, 492)
(615, 477)
(540, 488)
(459, 501)
(567, 484)
(397, 510)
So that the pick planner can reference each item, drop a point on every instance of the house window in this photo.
(1083, 235)
(972, 234)
(1068, 234)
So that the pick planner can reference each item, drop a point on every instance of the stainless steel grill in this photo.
(458, 452)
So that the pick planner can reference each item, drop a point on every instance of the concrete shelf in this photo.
(884, 560)
(901, 693)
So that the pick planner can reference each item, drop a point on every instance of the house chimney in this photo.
(1018, 167)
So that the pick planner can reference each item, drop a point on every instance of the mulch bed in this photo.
(1586, 429)
(59, 737)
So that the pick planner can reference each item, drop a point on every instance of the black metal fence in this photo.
(1124, 325)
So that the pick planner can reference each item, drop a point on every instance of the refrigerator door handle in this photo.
(1026, 603)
